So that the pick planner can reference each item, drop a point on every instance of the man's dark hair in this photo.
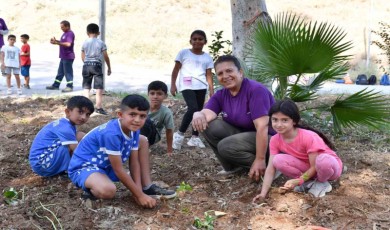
(135, 101)
(228, 58)
(157, 85)
(80, 102)
(65, 23)
(25, 36)
(92, 28)
(11, 36)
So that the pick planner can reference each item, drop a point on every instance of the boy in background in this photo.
(10, 63)
(54, 144)
(159, 116)
(98, 160)
(25, 61)
(92, 53)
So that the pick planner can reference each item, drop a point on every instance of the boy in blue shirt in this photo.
(98, 159)
(54, 144)
(159, 116)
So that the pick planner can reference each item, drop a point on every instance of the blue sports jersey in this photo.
(107, 139)
(47, 144)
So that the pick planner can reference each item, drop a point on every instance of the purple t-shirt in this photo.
(3, 26)
(252, 101)
(67, 52)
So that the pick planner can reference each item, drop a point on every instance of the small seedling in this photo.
(184, 187)
(207, 223)
(10, 196)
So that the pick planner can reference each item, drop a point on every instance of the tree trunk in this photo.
(245, 14)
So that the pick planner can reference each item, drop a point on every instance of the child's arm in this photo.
(169, 134)
(267, 182)
(2, 59)
(175, 72)
(83, 55)
(107, 60)
(209, 78)
(290, 184)
(127, 180)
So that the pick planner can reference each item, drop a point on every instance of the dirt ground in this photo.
(361, 200)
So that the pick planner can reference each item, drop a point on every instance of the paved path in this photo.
(123, 79)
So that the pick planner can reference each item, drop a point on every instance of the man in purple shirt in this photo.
(3, 31)
(240, 138)
(67, 56)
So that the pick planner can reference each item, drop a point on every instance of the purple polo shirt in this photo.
(252, 101)
(3, 26)
(67, 52)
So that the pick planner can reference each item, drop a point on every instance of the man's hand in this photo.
(109, 71)
(257, 169)
(53, 40)
(199, 122)
(146, 201)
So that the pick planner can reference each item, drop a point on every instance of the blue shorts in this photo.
(52, 163)
(25, 70)
(80, 176)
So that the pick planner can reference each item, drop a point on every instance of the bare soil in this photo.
(361, 200)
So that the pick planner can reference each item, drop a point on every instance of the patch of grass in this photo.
(206, 223)
(184, 187)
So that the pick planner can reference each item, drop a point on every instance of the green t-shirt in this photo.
(163, 118)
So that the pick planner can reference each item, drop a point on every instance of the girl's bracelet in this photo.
(301, 181)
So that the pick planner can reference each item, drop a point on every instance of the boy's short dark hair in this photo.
(157, 85)
(135, 101)
(93, 28)
(25, 36)
(80, 102)
(11, 36)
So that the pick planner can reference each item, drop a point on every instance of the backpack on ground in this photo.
(361, 80)
(150, 131)
(385, 80)
(372, 80)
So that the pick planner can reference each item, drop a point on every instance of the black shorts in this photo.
(92, 70)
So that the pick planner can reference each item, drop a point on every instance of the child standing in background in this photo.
(300, 153)
(25, 61)
(10, 63)
(193, 66)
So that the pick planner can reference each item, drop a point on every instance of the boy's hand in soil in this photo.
(146, 201)
(259, 199)
(290, 184)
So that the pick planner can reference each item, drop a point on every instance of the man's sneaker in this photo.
(226, 173)
(304, 187)
(319, 189)
(157, 192)
(101, 111)
(9, 91)
(51, 87)
(177, 141)
(67, 90)
(195, 141)
(19, 91)
(26, 86)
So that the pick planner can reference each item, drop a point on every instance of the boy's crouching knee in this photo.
(105, 192)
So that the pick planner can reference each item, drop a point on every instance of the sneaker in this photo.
(277, 174)
(19, 91)
(26, 86)
(9, 91)
(67, 90)
(101, 111)
(88, 195)
(195, 141)
(319, 189)
(226, 173)
(158, 192)
(177, 141)
(51, 87)
(304, 187)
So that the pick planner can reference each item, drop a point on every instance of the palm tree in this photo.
(291, 50)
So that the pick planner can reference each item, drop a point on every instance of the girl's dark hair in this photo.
(135, 101)
(290, 109)
(199, 32)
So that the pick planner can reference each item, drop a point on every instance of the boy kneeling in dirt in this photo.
(97, 161)
(54, 144)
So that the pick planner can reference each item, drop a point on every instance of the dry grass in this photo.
(150, 33)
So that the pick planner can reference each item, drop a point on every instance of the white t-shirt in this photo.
(11, 56)
(192, 73)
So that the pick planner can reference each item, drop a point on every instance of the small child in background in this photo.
(298, 152)
(92, 53)
(159, 116)
(54, 144)
(193, 66)
(98, 160)
(25, 60)
(10, 63)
